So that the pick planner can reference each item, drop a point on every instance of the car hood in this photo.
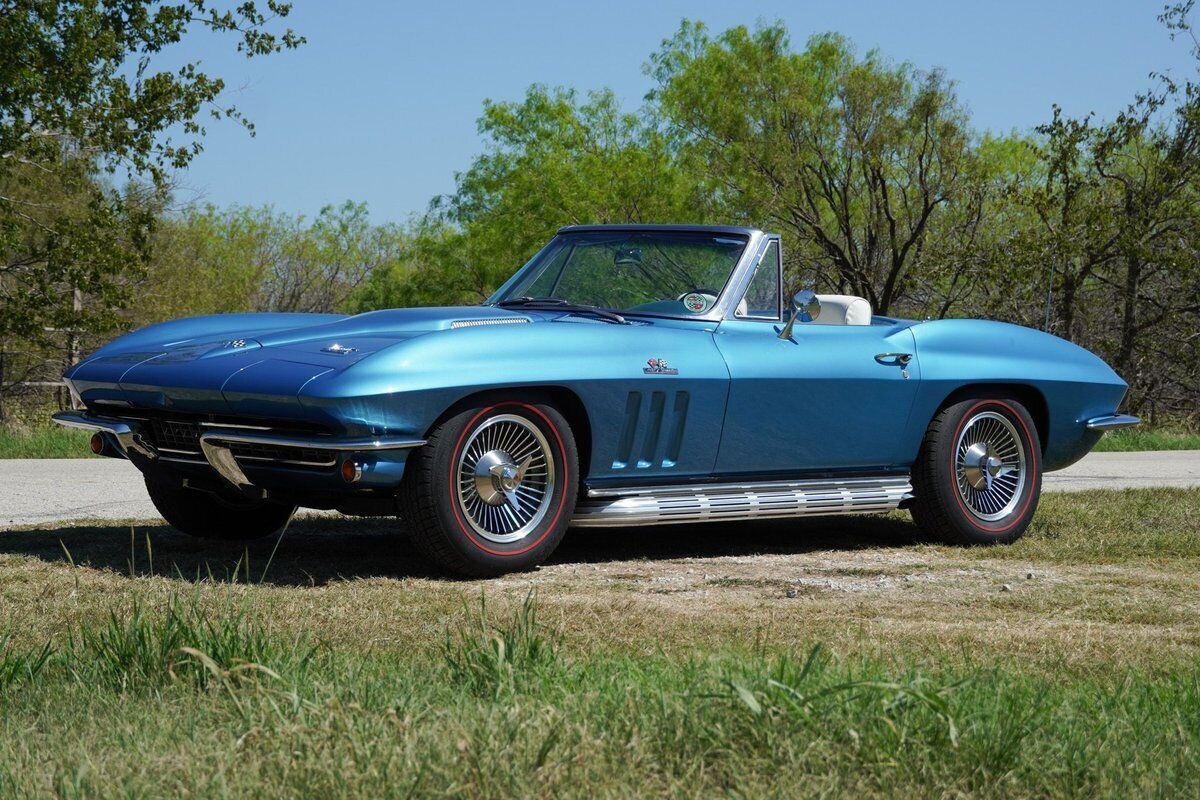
(234, 363)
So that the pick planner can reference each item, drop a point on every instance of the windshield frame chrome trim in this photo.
(744, 287)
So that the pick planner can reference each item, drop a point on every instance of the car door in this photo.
(825, 399)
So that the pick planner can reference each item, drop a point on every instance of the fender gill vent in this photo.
(652, 433)
(475, 323)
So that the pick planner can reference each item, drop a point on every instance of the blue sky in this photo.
(380, 105)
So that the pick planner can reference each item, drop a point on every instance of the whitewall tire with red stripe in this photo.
(493, 489)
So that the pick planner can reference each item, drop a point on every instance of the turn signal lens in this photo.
(96, 443)
(351, 471)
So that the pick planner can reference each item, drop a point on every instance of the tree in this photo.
(1108, 214)
(69, 240)
(209, 260)
(551, 160)
(431, 267)
(855, 157)
(81, 97)
(969, 265)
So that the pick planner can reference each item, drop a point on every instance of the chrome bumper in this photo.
(1110, 422)
(125, 433)
(215, 442)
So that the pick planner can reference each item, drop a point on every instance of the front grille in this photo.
(175, 435)
(310, 456)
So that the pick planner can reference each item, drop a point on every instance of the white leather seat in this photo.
(843, 309)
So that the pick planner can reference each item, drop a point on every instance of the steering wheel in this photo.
(698, 300)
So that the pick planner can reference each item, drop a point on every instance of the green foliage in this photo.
(810, 691)
(430, 268)
(854, 157)
(550, 160)
(210, 260)
(81, 97)
(67, 245)
(553, 160)
(66, 78)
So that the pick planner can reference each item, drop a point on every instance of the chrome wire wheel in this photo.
(505, 478)
(990, 466)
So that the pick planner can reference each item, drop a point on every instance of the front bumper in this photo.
(218, 440)
(124, 434)
(1111, 422)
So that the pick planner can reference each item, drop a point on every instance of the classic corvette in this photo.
(626, 375)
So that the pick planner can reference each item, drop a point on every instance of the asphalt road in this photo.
(38, 491)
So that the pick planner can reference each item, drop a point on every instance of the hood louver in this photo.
(475, 323)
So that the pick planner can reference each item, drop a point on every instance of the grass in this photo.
(44, 441)
(137, 662)
(1145, 438)
(791, 722)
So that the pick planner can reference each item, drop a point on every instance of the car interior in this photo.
(836, 309)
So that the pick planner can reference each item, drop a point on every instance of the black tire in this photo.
(209, 515)
(946, 505)
(440, 518)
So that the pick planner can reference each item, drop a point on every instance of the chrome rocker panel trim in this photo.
(665, 505)
(1111, 422)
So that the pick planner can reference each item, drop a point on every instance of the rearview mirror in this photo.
(806, 307)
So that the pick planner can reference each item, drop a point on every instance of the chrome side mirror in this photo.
(806, 307)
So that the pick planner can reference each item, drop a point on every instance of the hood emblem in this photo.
(659, 366)
(236, 343)
(339, 350)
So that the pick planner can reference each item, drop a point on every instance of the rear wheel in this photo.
(493, 489)
(978, 476)
(210, 515)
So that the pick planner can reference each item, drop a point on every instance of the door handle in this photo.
(900, 359)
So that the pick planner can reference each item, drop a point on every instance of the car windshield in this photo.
(668, 273)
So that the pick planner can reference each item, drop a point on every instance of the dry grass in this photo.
(1098, 577)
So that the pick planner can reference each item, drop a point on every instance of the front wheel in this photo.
(978, 476)
(493, 489)
(210, 515)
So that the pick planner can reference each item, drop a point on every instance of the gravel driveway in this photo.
(36, 491)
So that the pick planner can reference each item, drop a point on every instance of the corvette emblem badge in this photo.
(659, 366)
(695, 302)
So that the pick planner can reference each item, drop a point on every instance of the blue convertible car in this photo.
(627, 375)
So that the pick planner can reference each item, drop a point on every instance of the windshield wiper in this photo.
(558, 304)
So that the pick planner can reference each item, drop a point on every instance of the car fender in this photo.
(408, 387)
(1074, 384)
